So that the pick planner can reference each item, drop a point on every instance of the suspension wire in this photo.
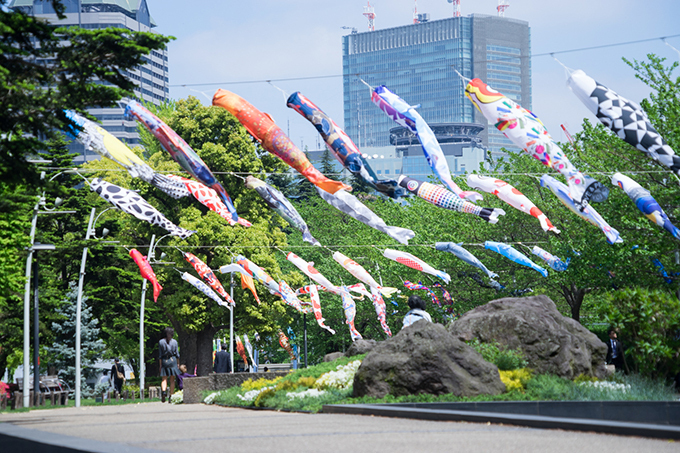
(500, 59)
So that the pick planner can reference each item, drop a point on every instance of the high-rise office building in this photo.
(419, 63)
(151, 78)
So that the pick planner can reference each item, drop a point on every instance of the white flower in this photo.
(210, 398)
(251, 395)
(340, 379)
(309, 392)
(177, 397)
(608, 386)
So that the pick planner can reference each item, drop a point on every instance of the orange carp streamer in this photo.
(271, 137)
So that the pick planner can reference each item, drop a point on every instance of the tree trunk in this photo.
(574, 297)
(196, 349)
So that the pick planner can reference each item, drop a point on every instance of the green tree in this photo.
(40, 77)
(63, 350)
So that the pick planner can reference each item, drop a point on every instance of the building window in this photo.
(387, 172)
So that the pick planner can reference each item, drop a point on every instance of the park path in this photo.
(200, 429)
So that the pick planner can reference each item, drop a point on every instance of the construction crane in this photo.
(369, 12)
(502, 6)
(456, 7)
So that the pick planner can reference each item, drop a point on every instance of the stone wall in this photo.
(195, 386)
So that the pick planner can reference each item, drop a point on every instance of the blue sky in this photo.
(221, 42)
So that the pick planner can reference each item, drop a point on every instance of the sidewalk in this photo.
(200, 429)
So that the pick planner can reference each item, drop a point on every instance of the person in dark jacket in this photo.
(615, 351)
(222, 361)
(117, 369)
(168, 352)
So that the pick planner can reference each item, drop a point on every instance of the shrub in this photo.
(259, 383)
(515, 379)
(649, 322)
(504, 358)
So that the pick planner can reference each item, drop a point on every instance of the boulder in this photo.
(361, 347)
(551, 343)
(425, 358)
(333, 356)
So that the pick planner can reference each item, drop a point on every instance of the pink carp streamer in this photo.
(511, 196)
(415, 263)
(210, 199)
(380, 310)
(316, 305)
(208, 275)
(308, 269)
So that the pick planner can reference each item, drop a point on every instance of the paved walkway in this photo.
(201, 429)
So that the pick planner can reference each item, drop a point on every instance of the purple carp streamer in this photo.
(407, 116)
(645, 203)
(415, 263)
(350, 309)
(132, 203)
(445, 294)
(205, 289)
(588, 214)
(552, 261)
(442, 198)
(511, 196)
(94, 137)
(525, 130)
(419, 286)
(625, 118)
(316, 305)
(350, 205)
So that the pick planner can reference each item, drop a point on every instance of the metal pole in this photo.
(141, 327)
(36, 340)
(79, 305)
(304, 323)
(231, 319)
(27, 309)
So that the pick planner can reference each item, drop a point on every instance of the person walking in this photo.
(222, 361)
(417, 311)
(169, 358)
(118, 375)
(615, 351)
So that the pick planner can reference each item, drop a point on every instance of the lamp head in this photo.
(58, 201)
(105, 232)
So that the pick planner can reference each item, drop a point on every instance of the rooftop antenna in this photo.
(415, 13)
(354, 30)
(456, 7)
(502, 6)
(369, 12)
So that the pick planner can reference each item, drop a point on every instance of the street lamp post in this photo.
(141, 325)
(79, 302)
(36, 321)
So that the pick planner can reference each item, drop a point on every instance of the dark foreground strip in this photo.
(17, 439)
(533, 421)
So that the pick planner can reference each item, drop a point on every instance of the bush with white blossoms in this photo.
(608, 386)
(177, 397)
(210, 398)
(340, 379)
(309, 392)
(252, 394)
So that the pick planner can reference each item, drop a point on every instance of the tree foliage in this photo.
(40, 76)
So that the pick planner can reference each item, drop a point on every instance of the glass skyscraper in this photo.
(151, 78)
(419, 63)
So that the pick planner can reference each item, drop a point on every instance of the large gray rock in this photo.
(333, 356)
(425, 358)
(551, 343)
(361, 347)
